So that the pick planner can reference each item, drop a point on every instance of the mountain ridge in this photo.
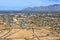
(49, 8)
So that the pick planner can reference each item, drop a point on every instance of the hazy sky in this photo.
(21, 4)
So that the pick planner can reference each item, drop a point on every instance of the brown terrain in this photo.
(30, 28)
(24, 34)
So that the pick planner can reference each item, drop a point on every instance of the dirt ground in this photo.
(28, 34)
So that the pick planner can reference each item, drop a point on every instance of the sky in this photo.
(21, 4)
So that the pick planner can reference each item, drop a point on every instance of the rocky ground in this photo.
(33, 33)
(30, 27)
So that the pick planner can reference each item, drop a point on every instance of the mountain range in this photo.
(50, 8)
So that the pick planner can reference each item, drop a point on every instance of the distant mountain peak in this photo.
(55, 5)
(49, 8)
